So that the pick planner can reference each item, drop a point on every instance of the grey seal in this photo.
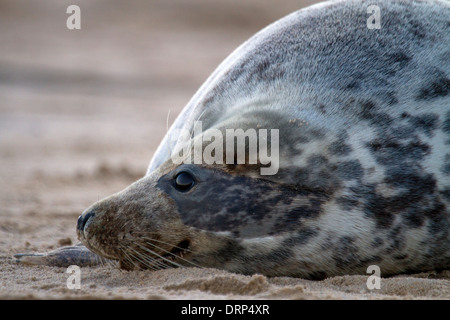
(363, 172)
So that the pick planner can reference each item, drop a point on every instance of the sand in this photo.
(81, 114)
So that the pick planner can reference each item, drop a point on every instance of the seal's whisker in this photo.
(160, 256)
(167, 243)
(99, 260)
(175, 255)
(168, 135)
(110, 263)
(148, 260)
(195, 123)
(155, 263)
(125, 224)
(144, 259)
(136, 258)
(160, 241)
(128, 258)
(167, 121)
(165, 261)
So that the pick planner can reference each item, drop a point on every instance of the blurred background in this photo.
(82, 111)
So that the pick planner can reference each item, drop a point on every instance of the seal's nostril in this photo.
(83, 219)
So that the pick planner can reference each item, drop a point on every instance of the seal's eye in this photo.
(184, 181)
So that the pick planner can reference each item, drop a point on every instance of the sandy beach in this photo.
(81, 114)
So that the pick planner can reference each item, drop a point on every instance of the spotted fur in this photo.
(364, 168)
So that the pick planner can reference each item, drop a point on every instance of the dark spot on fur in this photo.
(446, 166)
(401, 256)
(382, 120)
(446, 124)
(266, 71)
(317, 174)
(391, 152)
(413, 218)
(349, 170)
(377, 242)
(300, 237)
(417, 29)
(391, 98)
(317, 275)
(339, 147)
(311, 209)
(416, 190)
(299, 212)
(272, 259)
(410, 179)
(437, 214)
(229, 250)
(416, 150)
(399, 58)
(353, 85)
(322, 109)
(402, 131)
(262, 67)
(208, 100)
(224, 202)
(375, 146)
(446, 193)
(395, 240)
(237, 72)
(382, 210)
(413, 198)
(303, 139)
(426, 122)
(345, 252)
(367, 110)
(435, 89)
(347, 203)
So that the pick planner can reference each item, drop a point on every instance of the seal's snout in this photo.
(83, 219)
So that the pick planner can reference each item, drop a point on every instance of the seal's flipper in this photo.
(63, 257)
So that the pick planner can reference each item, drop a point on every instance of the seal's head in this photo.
(139, 226)
(211, 215)
(362, 172)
